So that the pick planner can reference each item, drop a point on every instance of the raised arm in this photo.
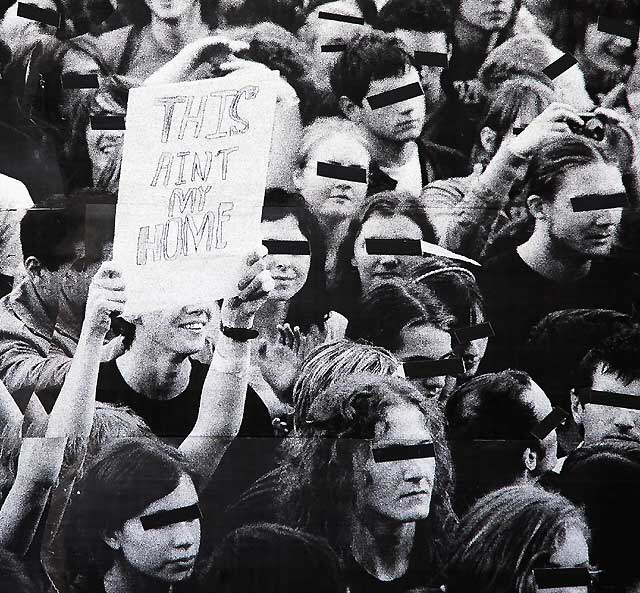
(41, 459)
(225, 387)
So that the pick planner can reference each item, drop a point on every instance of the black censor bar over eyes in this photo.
(425, 368)
(609, 398)
(276, 247)
(473, 332)
(41, 15)
(400, 452)
(333, 47)
(550, 422)
(80, 81)
(431, 58)
(107, 122)
(343, 18)
(393, 246)
(599, 202)
(562, 64)
(355, 174)
(618, 27)
(402, 93)
(551, 578)
(164, 518)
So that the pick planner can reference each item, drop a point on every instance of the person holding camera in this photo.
(575, 196)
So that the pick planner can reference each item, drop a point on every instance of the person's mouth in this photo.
(193, 326)
(185, 563)
(415, 493)
(408, 124)
(283, 278)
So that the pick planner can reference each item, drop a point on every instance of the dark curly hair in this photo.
(416, 15)
(322, 475)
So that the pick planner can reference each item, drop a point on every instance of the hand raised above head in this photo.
(106, 296)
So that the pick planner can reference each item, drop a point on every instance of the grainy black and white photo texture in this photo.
(319, 296)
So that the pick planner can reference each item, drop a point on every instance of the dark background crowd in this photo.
(455, 410)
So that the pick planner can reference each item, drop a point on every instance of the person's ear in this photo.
(350, 110)
(537, 207)
(530, 459)
(577, 408)
(111, 539)
(34, 267)
(488, 140)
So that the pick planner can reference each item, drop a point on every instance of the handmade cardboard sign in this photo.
(192, 186)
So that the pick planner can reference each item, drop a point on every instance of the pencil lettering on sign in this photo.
(555, 418)
(599, 202)
(403, 93)
(431, 58)
(473, 332)
(107, 122)
(80, 81)
(355, 174)
(393, 246)
(164, 518)
(400, 452)
(41, 15)
(609, 398)
(618, 27)
(333, 47)
(287, 247)
(551, 578)
(562, 64)
(343, 18)
(425, 368)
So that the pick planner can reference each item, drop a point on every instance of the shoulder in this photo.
(109, 45)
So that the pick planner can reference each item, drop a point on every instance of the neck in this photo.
(272, 313)
(553, 261)
(388, 153)
(121, 578)
(383, 549)
(154, 373)
(176, 34)
(468, 36)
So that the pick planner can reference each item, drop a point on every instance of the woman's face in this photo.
(171, 10)
(472, 352)
(382, 268)
(18, 32)
(289, 271)
(399, 491)
(333, 200)
(181, 331)
(166, 553)
(424, 341)
(572, 553)
(101, 144)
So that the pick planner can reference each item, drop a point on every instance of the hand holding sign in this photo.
(106, 296)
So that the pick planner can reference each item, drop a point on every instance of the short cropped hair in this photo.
(416, 15)
(618, 355)
(370, 56)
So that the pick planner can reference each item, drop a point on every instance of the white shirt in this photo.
(14, 202)
(409, 175)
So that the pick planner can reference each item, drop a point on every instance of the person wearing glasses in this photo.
(64, 241)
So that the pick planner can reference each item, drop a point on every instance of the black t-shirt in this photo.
(517, 298)
(176, 417)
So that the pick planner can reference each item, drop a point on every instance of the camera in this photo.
(593, 127)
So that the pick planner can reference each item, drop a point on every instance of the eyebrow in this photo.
(591, 202)
(164, 518)
(420, 368)
(397, 95)
(550, 578)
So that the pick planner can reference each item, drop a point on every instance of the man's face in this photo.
(18, 32)
(607, 53)
(171, 10)
(166, 554)
(399, 491)
(397, 123)
(433, 41)
(602, 422)
(587, 234)
(488, 15)
(538, 399)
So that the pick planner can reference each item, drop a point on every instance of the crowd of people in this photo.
(441, 394)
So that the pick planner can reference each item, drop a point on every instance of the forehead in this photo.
(409, 76)
(594, 178)
(535, 396)
(338, 145)
(403, 422)
(285, 227)
(184, 495)
(393, 227)
(423, 41)
(424, 340)
(607, 381)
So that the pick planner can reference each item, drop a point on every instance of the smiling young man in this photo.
(368, 74)
(564, 264)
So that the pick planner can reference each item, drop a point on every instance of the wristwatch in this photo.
(238, 334)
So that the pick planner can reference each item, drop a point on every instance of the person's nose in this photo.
(608, 217)
(625, 420)
(185, 534)
(388, 262)
(419, 471)
(621, 43)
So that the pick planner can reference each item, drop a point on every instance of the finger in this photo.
(260, 287)
(289, 336)
(115, 284)
(255, 269)
(297, 339)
